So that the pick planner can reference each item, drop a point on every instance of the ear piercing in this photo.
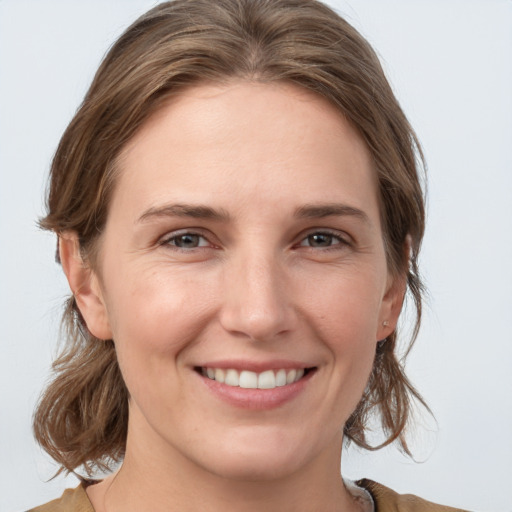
(385, 323)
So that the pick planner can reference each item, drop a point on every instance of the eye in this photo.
(187, 241)
(322, 240)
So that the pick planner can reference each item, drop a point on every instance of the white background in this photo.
(450, 62)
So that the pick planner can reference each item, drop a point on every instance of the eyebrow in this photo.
(319, 211)
(184, 210)
(308, 211)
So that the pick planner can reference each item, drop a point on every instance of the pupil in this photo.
(187, 241)
(319, 240)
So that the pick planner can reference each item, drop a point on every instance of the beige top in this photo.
(386, 500)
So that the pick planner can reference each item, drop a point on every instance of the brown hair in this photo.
(82, 416)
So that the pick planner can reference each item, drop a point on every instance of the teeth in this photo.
(290, 376)
(268, 379)
(281, 378)
(232, 378)
(248, 380)
(220, 375)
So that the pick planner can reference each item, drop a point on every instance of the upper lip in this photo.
(255, 366)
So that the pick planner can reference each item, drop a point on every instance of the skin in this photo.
(262, 284)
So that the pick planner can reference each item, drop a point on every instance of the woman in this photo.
(239, 215)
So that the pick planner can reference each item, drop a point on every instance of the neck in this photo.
(173, 483)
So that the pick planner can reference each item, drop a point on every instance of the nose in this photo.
(257, 302)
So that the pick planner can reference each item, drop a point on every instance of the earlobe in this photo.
(85, 286)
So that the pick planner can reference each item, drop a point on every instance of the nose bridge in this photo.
(256, 303)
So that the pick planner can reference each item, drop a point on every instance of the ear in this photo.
(391, 306)
(85, 286)
(394, 297)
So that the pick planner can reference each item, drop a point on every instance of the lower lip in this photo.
(256, 399)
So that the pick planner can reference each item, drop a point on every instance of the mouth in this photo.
(268, 379)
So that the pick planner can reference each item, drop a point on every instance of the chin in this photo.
(255, 469)
(259, 458)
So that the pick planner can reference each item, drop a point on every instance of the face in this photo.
(243, 278)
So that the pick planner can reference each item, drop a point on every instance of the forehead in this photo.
(276, 141)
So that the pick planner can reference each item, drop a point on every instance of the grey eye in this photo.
(188, 241)
(320, 240)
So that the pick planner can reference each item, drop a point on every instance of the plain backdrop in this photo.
(450, 63)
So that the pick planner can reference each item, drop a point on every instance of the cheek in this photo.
(153, 301)
(346, 317)
(346, 307)
(154, 316)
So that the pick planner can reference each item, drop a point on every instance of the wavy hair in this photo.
(82, 416)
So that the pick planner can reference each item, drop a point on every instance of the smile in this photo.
(268, 379)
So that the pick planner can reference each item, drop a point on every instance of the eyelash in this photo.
(340, 241)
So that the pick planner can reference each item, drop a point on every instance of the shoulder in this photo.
(387, 500)
(72, 500)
